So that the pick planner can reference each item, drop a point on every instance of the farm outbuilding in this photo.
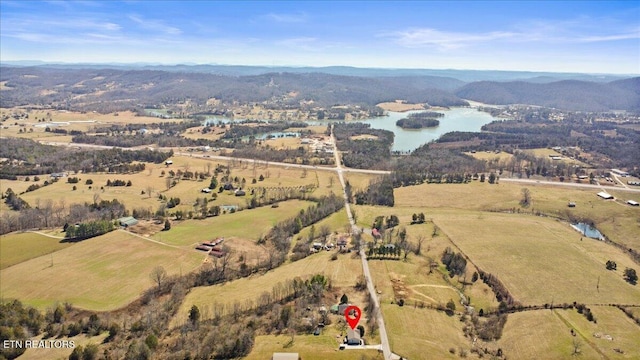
(605, 195)
(633, 203)
(127, 221)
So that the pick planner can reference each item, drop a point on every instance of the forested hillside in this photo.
(567, 94)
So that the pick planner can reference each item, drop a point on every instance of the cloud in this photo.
(287, 18)
(573, 31)
(616, 37)
(427, 37)
(155, 25)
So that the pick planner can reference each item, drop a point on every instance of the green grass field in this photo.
(308, 347)
(248, 224)
(18, 247)
(528, 334)
(342, 272)
(531, 253)
(616, 220)
(419, 333)
(102, 273)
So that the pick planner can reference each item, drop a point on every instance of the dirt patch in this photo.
(146, 228)
(247, 251)
(400, 290)
(400, 106)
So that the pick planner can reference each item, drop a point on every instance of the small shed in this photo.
(605, 195)
(633, 203)
(572, 204)
(127, 221)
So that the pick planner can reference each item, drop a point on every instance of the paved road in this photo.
(341, 170)
(569, 184)
(385, 347)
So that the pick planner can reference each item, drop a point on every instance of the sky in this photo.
(574, 36)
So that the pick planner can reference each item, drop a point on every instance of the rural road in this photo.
(341, 170)
(385, 347)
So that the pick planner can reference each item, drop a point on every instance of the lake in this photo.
(455, 119)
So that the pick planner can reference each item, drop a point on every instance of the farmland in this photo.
(18, 247)
(529, 334)
(261, 219)
(342, 272)
(549, 252)
(307, 346)
(120, 262)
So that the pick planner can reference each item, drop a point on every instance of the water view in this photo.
(455, 119)
(588, 231)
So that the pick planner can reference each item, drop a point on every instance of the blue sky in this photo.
(574, 36)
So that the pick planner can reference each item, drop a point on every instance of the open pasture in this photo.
(308, 347)
(342, 272)
(18, 247)
(501, 158)
(528, 334)
(119, 262)
(248, 224)
(414, 333)
(530, 253)
(622, 332)
(616, 220)
(547, 153)
(34, 127)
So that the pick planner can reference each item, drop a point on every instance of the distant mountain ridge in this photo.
(142, 84)
(565, 94)
(245, 70)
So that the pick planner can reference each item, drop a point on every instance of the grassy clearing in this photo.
(611, 321)
(547, 153)
(308, 347)
(617, 221)
(336, 222)
(187, 190)
(413, 333)
(500, 158)
(73, 121)
(532, 334)
(102, 273)
(400, 106)
(549, 252)
(18, 247)
(342, 272)
(248, 224)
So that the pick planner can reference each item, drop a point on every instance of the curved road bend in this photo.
(386, 349)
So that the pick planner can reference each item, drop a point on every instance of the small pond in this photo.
(588, 231)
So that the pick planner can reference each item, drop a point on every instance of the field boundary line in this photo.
(570, 326)
(43, 234)
(151, 240)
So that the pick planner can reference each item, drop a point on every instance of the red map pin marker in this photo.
(352, 320)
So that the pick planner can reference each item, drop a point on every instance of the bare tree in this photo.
(420, 239)
(149, 190)
(158, 274)
(576, 346)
